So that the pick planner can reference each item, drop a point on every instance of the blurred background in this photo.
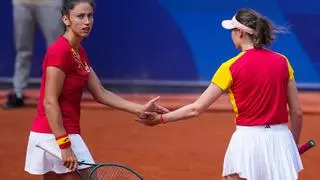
(147, 45)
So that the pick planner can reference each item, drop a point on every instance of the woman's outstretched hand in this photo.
(151, 113)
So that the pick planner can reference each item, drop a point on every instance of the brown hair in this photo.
(69, 4)
(264, 29)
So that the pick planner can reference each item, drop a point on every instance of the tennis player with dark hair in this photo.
(260, 84)
(67, 72)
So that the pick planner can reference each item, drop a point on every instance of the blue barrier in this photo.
(158, 41)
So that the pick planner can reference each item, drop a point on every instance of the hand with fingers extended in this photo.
(69, 159)
(152, 107)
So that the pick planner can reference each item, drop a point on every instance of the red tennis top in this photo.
(257, 83)
(76, 69)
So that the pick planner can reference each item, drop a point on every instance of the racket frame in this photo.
(96, 166)
(53, 152)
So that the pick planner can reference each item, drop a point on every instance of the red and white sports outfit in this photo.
(76, 69)
(262, 147)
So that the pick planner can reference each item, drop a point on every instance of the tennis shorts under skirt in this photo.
(263, 153)
(39, 162)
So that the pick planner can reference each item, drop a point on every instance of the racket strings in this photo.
(113, 173)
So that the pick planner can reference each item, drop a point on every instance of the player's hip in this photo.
(39, 162)
(263, 152)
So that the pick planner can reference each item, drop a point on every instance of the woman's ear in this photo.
(241, 33)
(66, 20)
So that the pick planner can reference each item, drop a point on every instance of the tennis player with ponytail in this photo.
(67, 72)
(260, 84)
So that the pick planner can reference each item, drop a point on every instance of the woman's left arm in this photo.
(211, 94)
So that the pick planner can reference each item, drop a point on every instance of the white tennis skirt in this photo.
(39, 162)
(263, 153)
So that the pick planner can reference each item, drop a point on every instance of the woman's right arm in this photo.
(54, 83)
(295, 111)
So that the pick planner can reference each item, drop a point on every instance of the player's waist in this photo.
(40, 124)
(283, 126)
(260, 120)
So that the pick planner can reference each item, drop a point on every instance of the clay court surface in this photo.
(189, 150)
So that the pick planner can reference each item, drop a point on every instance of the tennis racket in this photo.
(306, 146)
(104, 171)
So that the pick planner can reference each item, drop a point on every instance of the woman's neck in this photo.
(247, 46)
(73, 40)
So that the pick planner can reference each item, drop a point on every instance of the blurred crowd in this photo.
(29, 15)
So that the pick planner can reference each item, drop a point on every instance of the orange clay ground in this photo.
(188, 150)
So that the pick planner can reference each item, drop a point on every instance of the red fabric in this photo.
(65, 145)
(62, 136)
(260, 82)
(76, 76)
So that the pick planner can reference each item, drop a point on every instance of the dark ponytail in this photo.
(264, 29)
(264, 35)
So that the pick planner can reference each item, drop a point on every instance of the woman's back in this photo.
(258, 90)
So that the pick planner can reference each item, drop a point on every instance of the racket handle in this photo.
(306, 146)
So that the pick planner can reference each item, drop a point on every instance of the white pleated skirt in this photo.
(39, 162)
(263, 153)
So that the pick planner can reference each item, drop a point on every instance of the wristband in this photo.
(63, 141)
(161, 119)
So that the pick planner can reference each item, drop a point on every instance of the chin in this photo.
(84, 35)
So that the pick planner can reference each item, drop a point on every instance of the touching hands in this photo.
(151, 113)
